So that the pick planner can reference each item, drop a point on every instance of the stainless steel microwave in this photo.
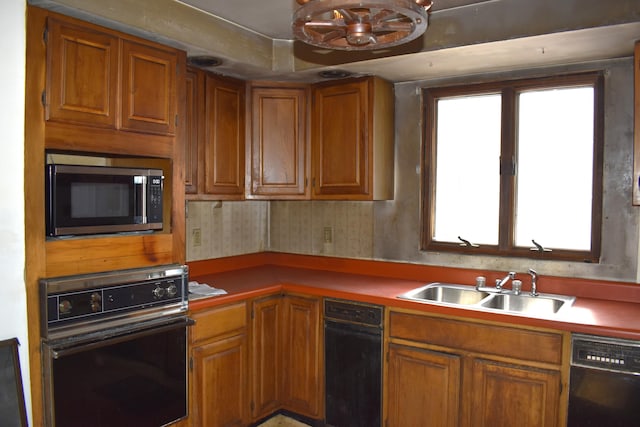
(102, 199)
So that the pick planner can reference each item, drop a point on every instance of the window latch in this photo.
(539, 247)
(467, 244)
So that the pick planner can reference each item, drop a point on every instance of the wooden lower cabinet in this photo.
(302, 356)
(451, 372)
(423, 387)
(266, 346)
(513, 395)
(219, 360)
(286, 356)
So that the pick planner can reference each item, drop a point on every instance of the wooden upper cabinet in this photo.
(100, 78)
(223, 159)
(193, 99)
(278, 154)
(148, 88)
(82, 75)
(352, 140)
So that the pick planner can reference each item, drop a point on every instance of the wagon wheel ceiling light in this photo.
(360, 25)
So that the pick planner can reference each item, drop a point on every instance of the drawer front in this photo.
(218, 321)
(537, 346)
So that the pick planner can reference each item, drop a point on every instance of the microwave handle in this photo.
(140, 185)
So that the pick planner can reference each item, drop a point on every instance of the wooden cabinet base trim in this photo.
(80, 256)
(89, 139)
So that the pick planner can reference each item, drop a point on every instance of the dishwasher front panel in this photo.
(603, 398)
(604, 383)
(353, 364)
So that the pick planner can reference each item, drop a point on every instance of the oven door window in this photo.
(139, 382)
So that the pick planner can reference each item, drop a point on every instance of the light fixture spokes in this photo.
(360, 25)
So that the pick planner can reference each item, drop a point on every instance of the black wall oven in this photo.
(115, 348)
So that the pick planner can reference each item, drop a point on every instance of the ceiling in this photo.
(464, 37)
(274, 21)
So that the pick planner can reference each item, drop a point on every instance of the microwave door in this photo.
(88, 203)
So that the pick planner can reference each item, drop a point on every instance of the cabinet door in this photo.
(267, 371)
(149, 77)
(510, 395)
(301, 356)
(223, 161)
(423, 388)
(279, 142)
(82, 75)
(194, 107)
(340, 139)
(220, 382)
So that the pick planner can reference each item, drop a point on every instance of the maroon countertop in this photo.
(587, 315)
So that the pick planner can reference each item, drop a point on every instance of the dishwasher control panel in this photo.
(605, 353)
(353, 312)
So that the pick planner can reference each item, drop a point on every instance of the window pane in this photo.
(555, 168)
(467, 194)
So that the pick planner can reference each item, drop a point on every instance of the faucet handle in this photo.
(516, 286)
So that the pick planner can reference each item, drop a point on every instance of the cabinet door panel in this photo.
(340, 140)
(220, 377)
(194, 107)
(148, 89)
(301, 355)
(423, 388)
(82, 69)
(278, 145)
(224, 137)
(509, 395)
(267, 365)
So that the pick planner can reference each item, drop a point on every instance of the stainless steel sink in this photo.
(527, 304)
(469, 297)
(446, 293)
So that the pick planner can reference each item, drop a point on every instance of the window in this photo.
(515, 168)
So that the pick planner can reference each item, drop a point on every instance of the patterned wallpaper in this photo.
(337, 228)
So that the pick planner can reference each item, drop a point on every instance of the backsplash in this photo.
(226, 228)
(336, 228)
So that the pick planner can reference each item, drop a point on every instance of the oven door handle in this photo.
(67, 351)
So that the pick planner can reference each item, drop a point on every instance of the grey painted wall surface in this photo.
(396, 229)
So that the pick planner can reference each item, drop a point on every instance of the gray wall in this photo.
(396, 228)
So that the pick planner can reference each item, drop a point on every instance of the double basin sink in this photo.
(505, 301)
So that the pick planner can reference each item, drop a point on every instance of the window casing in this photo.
(502, 177)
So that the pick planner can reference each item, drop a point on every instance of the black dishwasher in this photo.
(353, 363)
(604, 385)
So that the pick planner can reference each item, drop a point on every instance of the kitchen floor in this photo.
(282, 421)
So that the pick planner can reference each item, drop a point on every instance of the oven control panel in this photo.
(76, 305)
(92, 298)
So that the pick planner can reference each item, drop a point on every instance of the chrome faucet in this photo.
(534, 282)
(500, 283)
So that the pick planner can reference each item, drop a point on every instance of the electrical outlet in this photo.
(196, 236)
(328, 235)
